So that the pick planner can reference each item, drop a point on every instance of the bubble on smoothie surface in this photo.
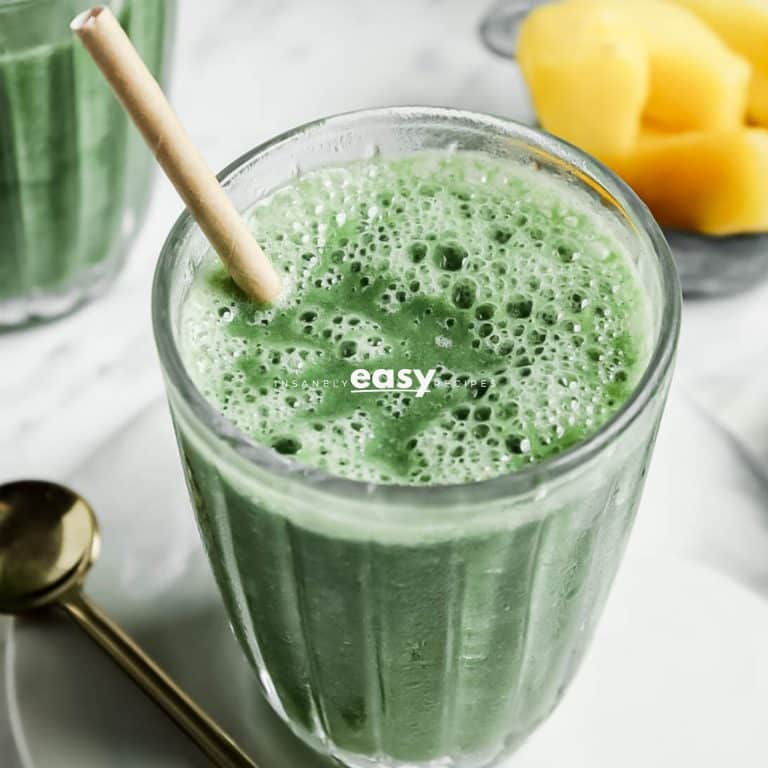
(512, 288)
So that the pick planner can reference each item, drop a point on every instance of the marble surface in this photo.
(81, 400)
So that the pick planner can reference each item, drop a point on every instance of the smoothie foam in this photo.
(519, 298)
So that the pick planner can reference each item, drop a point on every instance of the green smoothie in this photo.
(447, 318)
(526, 312)
(74, 176)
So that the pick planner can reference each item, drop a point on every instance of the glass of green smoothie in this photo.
(74, 175)
(415, 475)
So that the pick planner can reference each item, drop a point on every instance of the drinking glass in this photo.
(415, 626)
(74, 175)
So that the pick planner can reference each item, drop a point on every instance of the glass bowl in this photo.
(708, 266)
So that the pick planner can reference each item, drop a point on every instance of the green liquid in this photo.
(71, 168)
(529, 314)
(413, 641)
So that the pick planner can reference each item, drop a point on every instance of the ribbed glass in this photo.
(395, 626)
(74, 175)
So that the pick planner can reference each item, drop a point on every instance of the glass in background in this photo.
(74, 175)
(498, 28)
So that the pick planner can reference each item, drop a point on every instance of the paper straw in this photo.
(143, 99)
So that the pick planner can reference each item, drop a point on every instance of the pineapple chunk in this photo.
(707, 182)
(697, 82)
(743, 24)
(587, 70)
(595, 66)
(758, 99)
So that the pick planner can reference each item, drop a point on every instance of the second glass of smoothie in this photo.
(416, 475)
(74, 174)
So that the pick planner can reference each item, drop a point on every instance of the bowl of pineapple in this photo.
(672, 95)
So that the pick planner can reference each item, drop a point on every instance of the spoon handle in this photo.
(211, 739)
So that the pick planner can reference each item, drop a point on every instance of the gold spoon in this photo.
(49, 538)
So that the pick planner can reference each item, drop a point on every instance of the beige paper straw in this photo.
(143, 99)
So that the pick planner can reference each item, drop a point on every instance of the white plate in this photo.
(677, 676)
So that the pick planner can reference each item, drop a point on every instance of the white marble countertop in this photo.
(75, 393)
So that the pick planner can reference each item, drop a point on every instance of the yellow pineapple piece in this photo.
(648, 87)
(587, 70)
(697, 82)
(758, 99)
(596, 67)
(743, 25)
(708, 182)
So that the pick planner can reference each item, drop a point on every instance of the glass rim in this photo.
(512, 483)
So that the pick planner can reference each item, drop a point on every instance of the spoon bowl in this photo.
(49, 538)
